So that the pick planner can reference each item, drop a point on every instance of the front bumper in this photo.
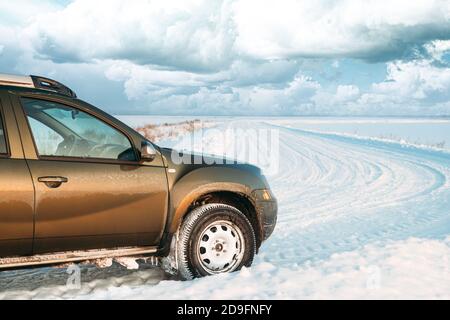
(267, 207)
(268, 210)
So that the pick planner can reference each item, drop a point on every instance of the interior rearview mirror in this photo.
(74, 114)
(148, 152)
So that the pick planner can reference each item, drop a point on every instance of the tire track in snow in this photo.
(347, 185)
(368, 195)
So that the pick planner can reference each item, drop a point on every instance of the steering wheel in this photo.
(65, 147)
(98, 150)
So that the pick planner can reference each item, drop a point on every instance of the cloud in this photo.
(150, 83)
(205, 36)
(437, 49)
(410, 88)
(224, 99)
(418, 80)
(370, 30)
(247, 73)
(333, 101)
(238, 56)
(189, 35)
(22, 12)
(418, 87)
(415, 87)
(346, 93)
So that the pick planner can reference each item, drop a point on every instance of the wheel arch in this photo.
(240, 201)
(235, 195)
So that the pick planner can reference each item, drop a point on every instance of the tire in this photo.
(214, 238)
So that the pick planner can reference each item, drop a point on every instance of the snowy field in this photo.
(364, 212)
(428, 132)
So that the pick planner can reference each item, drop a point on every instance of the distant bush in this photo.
(171, 131)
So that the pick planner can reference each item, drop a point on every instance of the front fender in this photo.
(194, 184)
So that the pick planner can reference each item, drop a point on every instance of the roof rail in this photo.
(52, 85)
(36, 82)
(16, 81)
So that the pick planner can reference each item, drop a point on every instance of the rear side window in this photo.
(3, 148)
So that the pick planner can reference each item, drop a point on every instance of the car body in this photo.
(65, 197)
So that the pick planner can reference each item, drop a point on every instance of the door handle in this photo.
(53, 182)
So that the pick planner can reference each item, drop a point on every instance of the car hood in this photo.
(193, 160)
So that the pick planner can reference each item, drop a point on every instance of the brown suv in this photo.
(77, 184)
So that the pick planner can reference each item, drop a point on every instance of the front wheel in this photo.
(214, 238)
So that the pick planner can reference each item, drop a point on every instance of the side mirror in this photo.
(148, 152)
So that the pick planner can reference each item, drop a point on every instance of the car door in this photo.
(16, 188)
(91, 190)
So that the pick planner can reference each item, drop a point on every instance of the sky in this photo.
(237, 57)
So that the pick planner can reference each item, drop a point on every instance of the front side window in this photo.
(63, 131)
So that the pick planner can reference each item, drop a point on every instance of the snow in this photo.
(408, 269)
(358, 218)
(427, 132)
(412, 268)
(127, 262)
